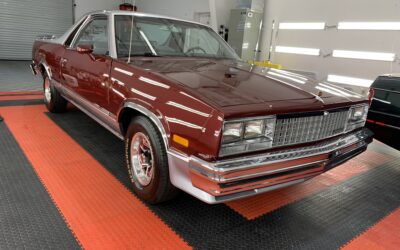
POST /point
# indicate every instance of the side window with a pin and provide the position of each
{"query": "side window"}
(71, 37)
(95, 33)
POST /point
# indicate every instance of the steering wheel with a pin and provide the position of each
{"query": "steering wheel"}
(196, 48)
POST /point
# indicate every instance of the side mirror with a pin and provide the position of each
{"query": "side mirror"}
(85, 48)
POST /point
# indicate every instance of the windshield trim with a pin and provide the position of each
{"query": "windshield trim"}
(113, 49)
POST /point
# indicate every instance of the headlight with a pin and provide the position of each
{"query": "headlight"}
(247, 135)
(253, 129)
(232, 132)
(357, 117)
(358, 113)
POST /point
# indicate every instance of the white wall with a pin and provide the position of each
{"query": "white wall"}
(84, 6)
(223, 8)
(183, 9)
(333, 12)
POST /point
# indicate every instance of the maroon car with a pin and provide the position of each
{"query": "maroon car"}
(193, 115)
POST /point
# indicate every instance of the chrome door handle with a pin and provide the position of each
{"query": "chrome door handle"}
(63, 61)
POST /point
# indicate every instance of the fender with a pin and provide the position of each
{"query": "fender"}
(153, 117)
(46, 68)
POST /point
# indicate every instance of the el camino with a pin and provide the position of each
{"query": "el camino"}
(193, 116)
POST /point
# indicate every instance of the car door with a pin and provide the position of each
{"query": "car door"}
(86, 73)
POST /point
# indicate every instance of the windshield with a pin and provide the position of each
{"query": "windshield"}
(164, 37)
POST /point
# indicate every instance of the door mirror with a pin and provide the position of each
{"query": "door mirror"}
(85, 48)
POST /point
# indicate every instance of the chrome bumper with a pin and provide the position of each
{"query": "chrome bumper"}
(221, 181)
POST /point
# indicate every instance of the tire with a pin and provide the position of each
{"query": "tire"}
(157, 188)
(53, 100)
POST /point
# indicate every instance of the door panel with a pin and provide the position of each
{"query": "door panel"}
(87, 74)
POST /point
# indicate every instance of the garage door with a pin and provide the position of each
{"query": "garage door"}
(22, 20)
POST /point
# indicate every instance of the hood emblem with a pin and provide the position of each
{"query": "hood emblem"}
(326, 113)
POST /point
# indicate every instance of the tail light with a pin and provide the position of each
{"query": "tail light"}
(371, 95)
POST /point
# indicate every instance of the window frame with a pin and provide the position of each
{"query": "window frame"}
(113, 48)
(85, 24)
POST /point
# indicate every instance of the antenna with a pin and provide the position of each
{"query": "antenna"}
(130, 42)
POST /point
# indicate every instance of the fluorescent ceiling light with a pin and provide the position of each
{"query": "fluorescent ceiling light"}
(389, 57)
(350, 80)
(302, 26)
(295, 50)
(369, 26)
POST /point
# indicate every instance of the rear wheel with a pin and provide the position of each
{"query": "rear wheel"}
(147, 162)
(53, 100)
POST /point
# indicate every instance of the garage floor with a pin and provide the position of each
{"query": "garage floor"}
(63, 185)
(16, 76)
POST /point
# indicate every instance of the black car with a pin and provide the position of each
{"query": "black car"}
(384, 114)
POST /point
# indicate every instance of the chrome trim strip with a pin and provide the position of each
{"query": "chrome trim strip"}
(81, 103)
(145, 95)
(152, 82)
(221, 179)
(383, 124)
(117, 81)
(156, 120)
(33, 69)
(72, 44)
(387, 90)
(227, 166)
(383, 113)
(391, 126)
(48, 69)
(128, 73)
(180, 178)
(183, 107)
(184, 123)
(139, 14)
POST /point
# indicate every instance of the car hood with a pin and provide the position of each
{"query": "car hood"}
(228, 83)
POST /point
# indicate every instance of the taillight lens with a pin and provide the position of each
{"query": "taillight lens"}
(371, 96)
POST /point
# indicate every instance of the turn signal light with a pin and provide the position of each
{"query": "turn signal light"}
(180, 140)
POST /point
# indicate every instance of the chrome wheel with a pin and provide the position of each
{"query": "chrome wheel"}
(142, 159)
(47, 90)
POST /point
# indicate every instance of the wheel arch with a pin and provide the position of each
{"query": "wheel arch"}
(131, 109)
(44, 68)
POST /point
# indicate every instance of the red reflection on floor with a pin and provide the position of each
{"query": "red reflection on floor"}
(384, 235)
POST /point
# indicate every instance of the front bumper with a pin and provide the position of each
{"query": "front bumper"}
(221, 181)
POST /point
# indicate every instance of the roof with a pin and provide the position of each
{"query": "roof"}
(141, 14)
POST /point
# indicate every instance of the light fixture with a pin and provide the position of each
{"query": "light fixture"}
(350, 80)
(389, 57)
(369, 25)
(296, 50)
(302, 26)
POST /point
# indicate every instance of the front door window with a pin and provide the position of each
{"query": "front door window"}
(95, 33)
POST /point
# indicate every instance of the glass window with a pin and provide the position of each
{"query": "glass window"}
(148, 36)
(72, 35)
(95, 33)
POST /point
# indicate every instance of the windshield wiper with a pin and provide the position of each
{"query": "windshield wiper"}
(146, 54)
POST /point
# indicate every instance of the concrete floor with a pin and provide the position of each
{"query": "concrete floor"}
(17, 76)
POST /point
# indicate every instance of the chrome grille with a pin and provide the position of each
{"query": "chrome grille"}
(295, 130)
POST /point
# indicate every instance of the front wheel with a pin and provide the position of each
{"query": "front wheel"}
(147, 162)
(53, 100)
